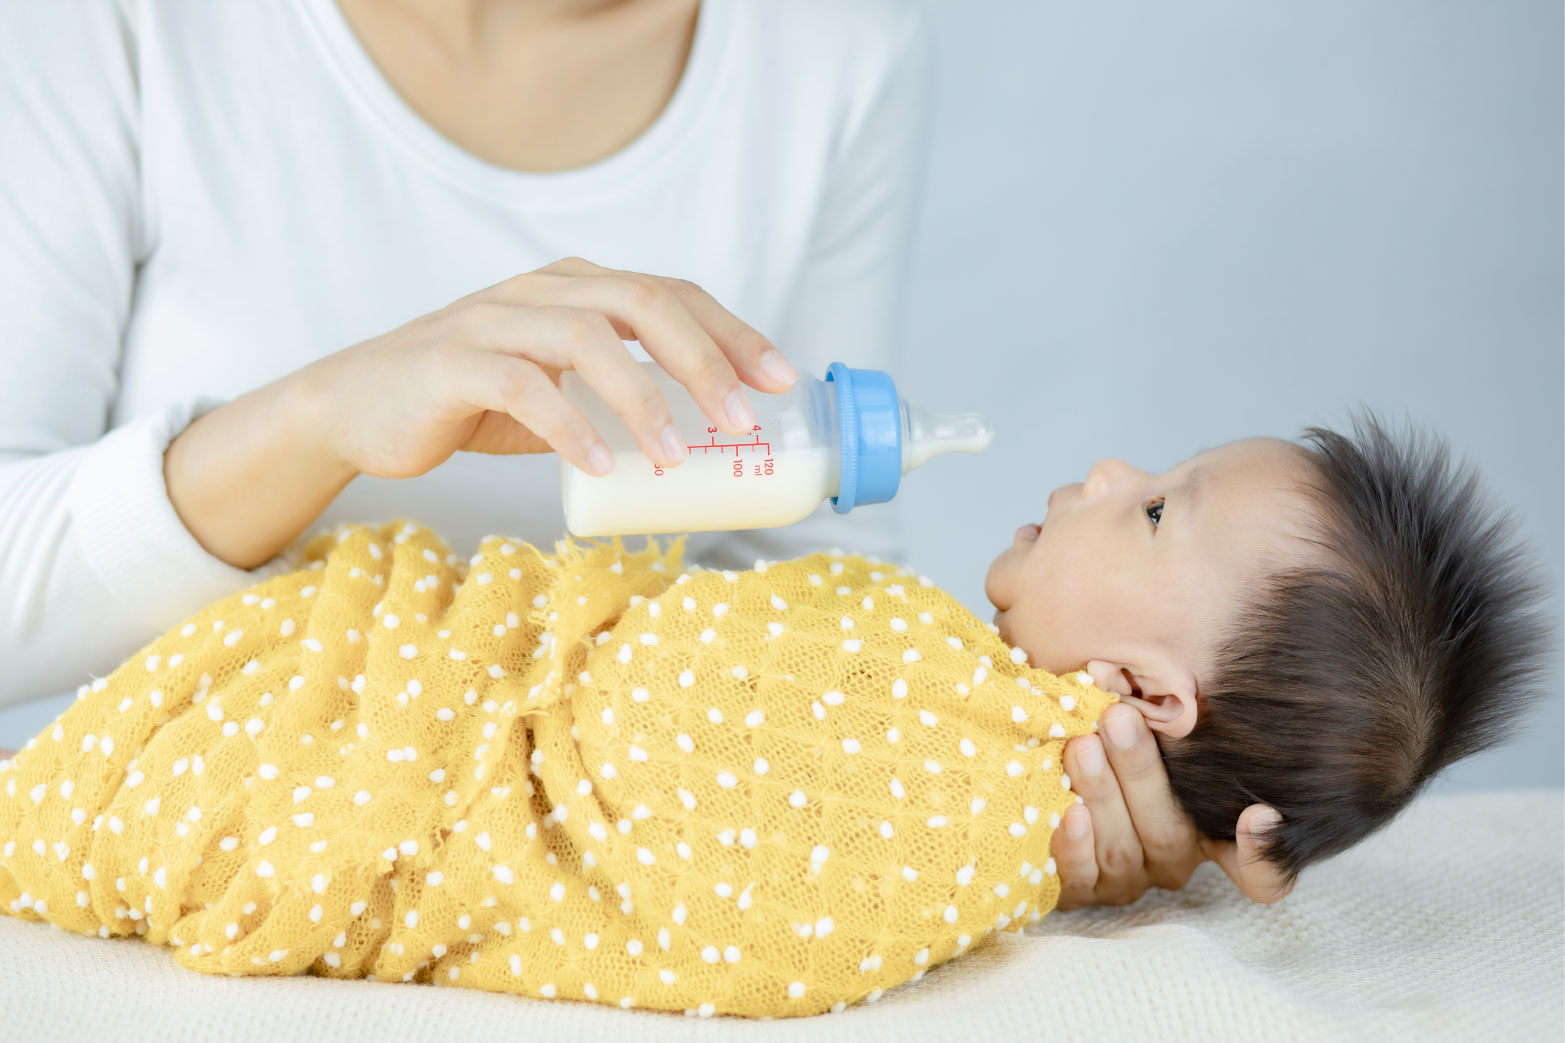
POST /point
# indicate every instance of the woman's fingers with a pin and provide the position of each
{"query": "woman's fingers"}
(630, 392)
(1121, 874)
(600, 358)
(1166, 836)
(520, 388)
(1136, 834)
(557, 338)
(757, 362)
(519, 286)
(685, 330)
(482, 373)
(1259, 880)
(1075, 859)
(649, 310)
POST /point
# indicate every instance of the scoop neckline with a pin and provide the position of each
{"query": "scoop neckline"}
(617, 171)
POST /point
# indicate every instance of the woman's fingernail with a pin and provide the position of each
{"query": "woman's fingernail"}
(1090, 758)
(673, 448)
(777, 367)
(739, 412)
(1075, 823)
(1121, 729)
(600, 460)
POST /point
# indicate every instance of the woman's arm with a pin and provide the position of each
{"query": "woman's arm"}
(250, 476)
(95, 559)
(108, 537)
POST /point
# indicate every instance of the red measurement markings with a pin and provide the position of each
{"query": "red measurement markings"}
(753, 444)
(761, 468)
(756, 443)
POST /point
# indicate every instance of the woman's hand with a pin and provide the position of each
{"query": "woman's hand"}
(1132, 833)
(481, 374)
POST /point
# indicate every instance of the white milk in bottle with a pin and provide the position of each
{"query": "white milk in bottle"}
(848, 437)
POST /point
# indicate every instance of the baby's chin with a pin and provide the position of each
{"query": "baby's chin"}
(1041, 658)
(1002, 623)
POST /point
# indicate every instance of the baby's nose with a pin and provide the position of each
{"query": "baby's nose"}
(1104, 476)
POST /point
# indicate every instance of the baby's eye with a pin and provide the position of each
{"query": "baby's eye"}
(1155, 511)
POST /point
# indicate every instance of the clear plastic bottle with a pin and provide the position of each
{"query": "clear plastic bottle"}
(849, 437)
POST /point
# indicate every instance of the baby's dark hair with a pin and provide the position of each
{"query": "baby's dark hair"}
(1413, 640)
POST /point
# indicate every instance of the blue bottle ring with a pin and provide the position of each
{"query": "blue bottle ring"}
(869, 426)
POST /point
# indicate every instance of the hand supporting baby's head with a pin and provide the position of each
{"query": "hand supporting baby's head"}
(1320, 628)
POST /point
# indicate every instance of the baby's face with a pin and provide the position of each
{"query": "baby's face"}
(1142, 571)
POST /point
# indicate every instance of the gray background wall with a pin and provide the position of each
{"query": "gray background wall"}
(1150, 228)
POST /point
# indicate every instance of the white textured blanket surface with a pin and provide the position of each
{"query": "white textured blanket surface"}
(1450, 924)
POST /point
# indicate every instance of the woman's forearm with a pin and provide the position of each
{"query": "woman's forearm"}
(251, 475)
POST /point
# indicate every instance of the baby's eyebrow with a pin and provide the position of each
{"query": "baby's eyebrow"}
(1193, 493)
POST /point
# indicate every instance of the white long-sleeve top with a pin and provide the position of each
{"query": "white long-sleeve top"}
(198, 198)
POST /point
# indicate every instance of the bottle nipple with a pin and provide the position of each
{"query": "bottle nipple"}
(929, 434)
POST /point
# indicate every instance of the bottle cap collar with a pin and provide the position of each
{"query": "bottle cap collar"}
(869, 424)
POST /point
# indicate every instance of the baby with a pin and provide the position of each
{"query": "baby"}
(599, 775)
(1318, 628)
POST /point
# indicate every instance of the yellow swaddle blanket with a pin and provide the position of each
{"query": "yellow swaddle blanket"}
(586, 774)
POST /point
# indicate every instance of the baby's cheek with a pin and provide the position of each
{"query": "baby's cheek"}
(997, 580)
(1056, 641)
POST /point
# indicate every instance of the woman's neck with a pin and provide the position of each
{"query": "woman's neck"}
(478, 21)
(535, 85)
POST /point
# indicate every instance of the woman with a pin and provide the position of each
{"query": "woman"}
(211, 215)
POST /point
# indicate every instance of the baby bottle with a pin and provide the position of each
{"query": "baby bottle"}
(849, 437)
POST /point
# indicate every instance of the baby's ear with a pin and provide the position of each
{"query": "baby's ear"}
(1169, 708)
(1110, 677)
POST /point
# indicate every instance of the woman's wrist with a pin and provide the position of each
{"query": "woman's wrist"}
(251, 475)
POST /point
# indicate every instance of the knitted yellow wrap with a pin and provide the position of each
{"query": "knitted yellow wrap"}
(586, 775)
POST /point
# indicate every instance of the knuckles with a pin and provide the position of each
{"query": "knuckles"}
(684, 288)
(712, 368)
(641, 294)
(1120, 861)
(749, 344)
(1167, 849)
(583, 330)
(478, 314)
(1140, 763)
(646, 400)
(516, 382)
